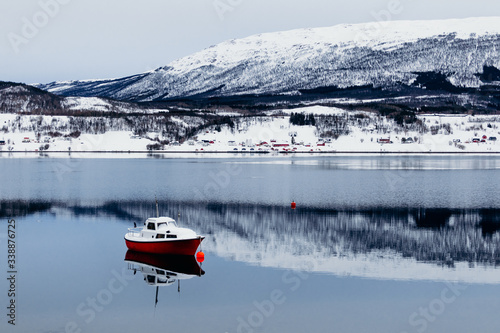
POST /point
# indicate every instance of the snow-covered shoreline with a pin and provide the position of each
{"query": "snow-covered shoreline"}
(338, 132)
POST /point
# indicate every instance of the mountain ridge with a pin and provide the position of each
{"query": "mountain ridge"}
(391, 57)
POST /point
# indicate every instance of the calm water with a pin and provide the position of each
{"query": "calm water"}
(376, 244)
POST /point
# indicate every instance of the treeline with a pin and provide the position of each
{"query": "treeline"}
(302, 119)
(168, 127)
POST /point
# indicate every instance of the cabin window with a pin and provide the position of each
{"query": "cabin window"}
(151, 226)
(160, 236)
(162, 280)
(151, 279)
(171, 236)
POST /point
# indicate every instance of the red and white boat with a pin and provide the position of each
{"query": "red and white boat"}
(161, 235)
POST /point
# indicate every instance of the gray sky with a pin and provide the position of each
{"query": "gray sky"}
(48, 40)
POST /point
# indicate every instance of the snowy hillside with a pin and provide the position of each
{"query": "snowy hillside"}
(314, 129)
(21, 98)
(445, 55)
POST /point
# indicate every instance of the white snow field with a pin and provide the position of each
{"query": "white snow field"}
(274, 133)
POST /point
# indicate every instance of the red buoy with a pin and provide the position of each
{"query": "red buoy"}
(294, 205)
(200, 256)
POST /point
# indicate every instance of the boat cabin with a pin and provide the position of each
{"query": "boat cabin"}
(159, 227)
(157, 223)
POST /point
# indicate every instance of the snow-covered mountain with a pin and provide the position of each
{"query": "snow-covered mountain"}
(406, 57)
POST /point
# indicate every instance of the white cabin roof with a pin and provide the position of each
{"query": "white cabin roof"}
(161, 219)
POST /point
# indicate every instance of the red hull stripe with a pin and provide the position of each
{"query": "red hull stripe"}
(182, 247)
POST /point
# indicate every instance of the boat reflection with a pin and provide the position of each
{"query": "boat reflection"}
(163, 270)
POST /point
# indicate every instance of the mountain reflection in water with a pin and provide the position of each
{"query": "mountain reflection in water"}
(397, 243)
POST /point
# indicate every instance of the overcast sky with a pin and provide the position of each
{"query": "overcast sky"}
(48, 40)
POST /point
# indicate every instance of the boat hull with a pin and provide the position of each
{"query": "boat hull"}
(178, 246)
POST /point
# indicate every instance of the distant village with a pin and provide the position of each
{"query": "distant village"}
(317, 129)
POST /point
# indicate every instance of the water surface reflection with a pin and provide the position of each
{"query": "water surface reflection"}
(401, 243)
(163, 270)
